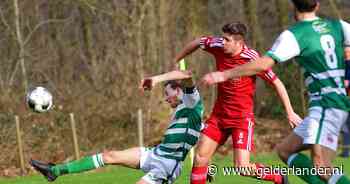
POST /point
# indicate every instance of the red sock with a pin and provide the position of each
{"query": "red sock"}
(268, 176)
(199, 175)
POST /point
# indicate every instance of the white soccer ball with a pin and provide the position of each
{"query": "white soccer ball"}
(39, 100)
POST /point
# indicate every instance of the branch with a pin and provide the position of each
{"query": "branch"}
(4, 20)
(41, 24)
(94, 8)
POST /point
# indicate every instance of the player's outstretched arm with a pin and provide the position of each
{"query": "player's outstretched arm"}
(150, 82)
(293, 118)
(251, 68)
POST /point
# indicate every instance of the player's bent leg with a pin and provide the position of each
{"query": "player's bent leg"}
(289, 145)
(205, 149)
(288, 150)
(128, 158)
(322, 158)
(242, 161)
(51, 171)
(243, 144)
(303, 136)
(325, 141)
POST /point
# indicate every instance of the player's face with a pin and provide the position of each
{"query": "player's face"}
(231, 46)
(172, 96)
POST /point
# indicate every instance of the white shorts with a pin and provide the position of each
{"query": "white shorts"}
(158, 169)
(322, 126)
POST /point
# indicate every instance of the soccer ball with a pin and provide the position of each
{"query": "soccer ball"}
(39, 99)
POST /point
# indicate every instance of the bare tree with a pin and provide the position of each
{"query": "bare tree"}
(282, 11)
(250, 7)
(335, 9)
(21, 44)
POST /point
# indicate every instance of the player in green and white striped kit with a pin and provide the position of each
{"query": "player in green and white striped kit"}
(162, 163)
(318, 46)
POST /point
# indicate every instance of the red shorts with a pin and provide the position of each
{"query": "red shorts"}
(242, 137)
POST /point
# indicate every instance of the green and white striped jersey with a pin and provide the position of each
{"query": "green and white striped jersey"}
(318, 47)
(184, 129)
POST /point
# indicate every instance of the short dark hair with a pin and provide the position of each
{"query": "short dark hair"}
(305, 5)
(235, 28)
(173, 84)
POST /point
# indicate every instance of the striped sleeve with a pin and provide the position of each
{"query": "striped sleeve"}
(346, 32)
(285, 47)
(268, 76)
(251, 54)
(211, 44)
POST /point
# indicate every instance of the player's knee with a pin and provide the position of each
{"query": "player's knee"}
(318, 160)
(201, 160)
(110, 157)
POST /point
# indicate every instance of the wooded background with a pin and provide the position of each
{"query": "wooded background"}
(91, 54)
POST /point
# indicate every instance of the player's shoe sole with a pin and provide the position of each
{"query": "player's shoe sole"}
(44, 169)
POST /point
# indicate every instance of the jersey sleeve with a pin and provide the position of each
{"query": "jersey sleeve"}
(268, 76)
(211, 44)
(346, 31)
(191, 97)
(285, 47)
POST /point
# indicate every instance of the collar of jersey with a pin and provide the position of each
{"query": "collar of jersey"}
(180, 107)
(310, 19)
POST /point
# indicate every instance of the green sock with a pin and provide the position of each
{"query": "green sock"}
(299, 160)
(78, 166)
(339, 179)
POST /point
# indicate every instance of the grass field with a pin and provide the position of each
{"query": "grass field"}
(120, 175)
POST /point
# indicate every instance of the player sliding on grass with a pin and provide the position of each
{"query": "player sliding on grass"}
(233, 111)
(318, 45)
(162, 163)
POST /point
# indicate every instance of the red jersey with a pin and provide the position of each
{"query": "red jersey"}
(235, 97)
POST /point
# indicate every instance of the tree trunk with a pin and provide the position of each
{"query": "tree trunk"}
(250, 9)
(20, 44)
(282, 11)
(86, 26)
(335, 10)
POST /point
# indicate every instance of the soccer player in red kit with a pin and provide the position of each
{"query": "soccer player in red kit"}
(233, 111)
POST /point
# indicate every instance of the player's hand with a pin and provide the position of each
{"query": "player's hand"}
(213, 78)
(294, 119)
(147, 84)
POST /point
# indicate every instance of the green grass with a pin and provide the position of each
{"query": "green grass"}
(120, 175)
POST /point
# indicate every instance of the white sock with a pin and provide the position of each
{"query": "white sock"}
(334, 178)
(98, 160)
(291, 158)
